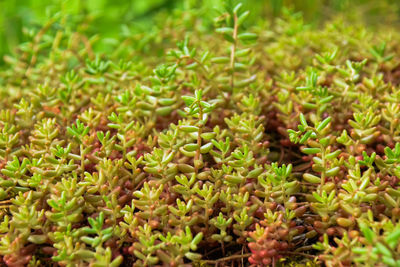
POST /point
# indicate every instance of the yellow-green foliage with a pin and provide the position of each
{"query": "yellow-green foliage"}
(274, 143)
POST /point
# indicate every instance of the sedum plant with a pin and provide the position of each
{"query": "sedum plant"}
(250, 144)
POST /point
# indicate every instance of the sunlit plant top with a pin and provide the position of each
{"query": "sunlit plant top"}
(245, 146)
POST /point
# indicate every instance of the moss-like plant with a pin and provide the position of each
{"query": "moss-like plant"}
(271, 144)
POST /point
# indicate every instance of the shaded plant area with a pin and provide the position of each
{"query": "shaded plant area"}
(266, 144)
(111, 21)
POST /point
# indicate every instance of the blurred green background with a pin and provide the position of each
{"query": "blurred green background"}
(109, 18)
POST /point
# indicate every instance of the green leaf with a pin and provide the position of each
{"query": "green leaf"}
(383, 250)
(220, 60)
(243, 17)
(188, 100)
(164, 111)
(247, 36)
(245, 82)
(311, 150)
(189, 128)
(303, 120)
(87, 240)
(196, 240)
(206, 148)
(333, 155)
(305, 137)
(227, 30)
(323, 124)
(333, 171)
(237, 8)
(367, 232)
(317, 197)
(191, 147)
(242, 52)
(311, 178)
(193, 256)
(393, 238)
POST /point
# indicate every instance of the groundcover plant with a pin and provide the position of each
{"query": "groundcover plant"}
(247, 145)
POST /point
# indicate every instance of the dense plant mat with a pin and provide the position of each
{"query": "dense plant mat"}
(275, 144)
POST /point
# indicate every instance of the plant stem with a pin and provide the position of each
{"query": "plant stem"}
(82, 158)
(233, 50)
(233, 257)
(197, 156)
(323, 175)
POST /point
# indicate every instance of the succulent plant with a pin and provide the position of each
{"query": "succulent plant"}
(253, 144)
